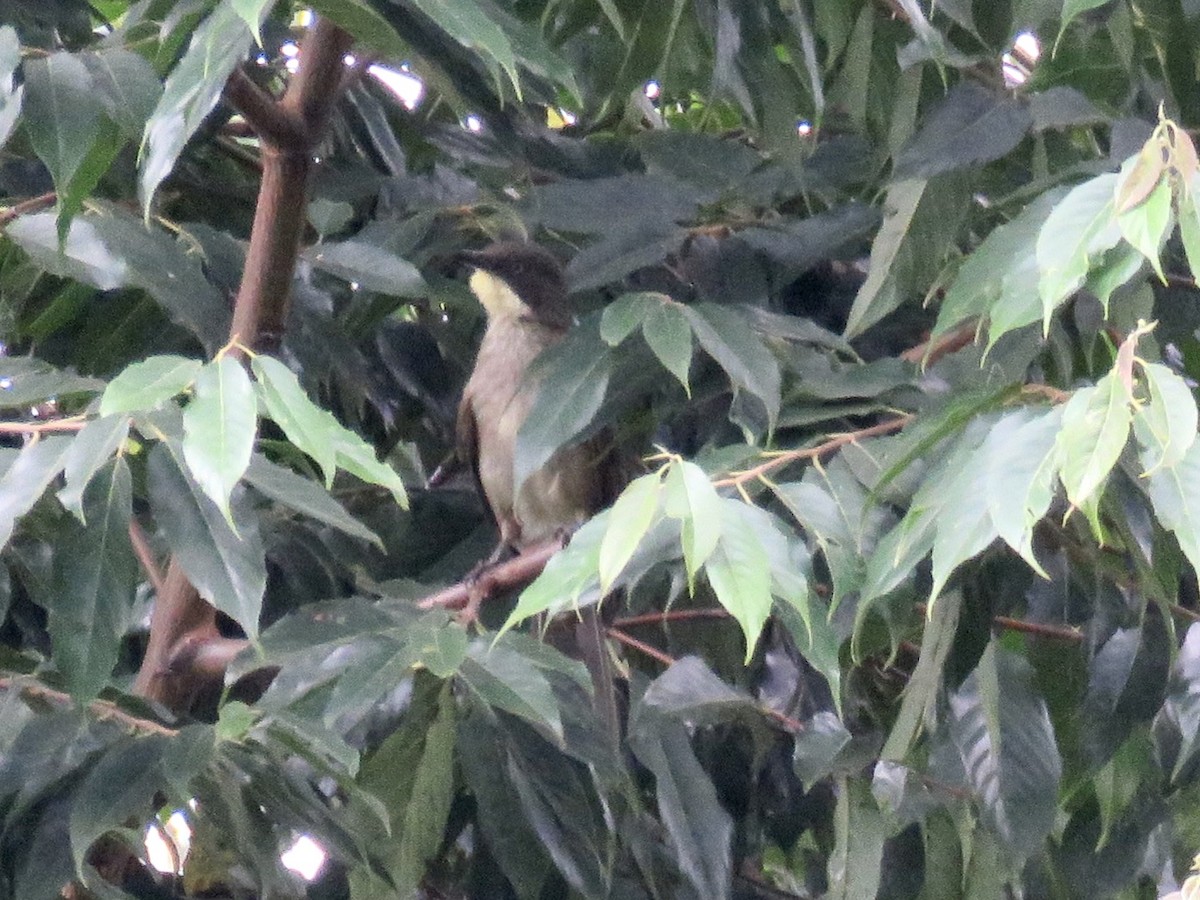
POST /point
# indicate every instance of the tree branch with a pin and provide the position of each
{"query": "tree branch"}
(515, 572)
(101, 709)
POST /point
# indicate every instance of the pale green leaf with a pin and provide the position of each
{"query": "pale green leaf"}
(566, 576)
(313, 430)
(633, 514)
(27, 478)
(10, 96)
(1095, 427)
(690, 497)
(669, 335)
(1022, 470)
(1166, 424)
(252, 12)
(740, 574)
(219, 427)
(1079, 228)
(1189, 227)
(357, 457)
(1175, 494)
(149, 383)
(193, 88)
(91, 449)
(1146, 225)
(470, 26)
(61, 114)
(623, 316)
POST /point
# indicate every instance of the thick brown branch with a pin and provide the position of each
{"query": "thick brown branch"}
(311, 94)
(101, 709)
(263, 113)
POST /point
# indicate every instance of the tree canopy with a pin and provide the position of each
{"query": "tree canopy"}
(895, 300)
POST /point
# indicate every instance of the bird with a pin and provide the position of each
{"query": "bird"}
(523, 290)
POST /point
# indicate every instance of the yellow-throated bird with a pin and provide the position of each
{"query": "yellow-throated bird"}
(523, 290)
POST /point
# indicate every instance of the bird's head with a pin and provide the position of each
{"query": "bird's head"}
(519, 280)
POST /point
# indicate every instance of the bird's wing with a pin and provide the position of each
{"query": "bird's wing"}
(466, 434)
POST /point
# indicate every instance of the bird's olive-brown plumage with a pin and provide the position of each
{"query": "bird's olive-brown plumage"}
(522, 288)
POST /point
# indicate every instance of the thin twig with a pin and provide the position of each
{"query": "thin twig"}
(101, 709)
(788, 457)
(1058, 632)
(145, 555)
(26, 206)
(641, 646)
(671, 615)
(74, 423)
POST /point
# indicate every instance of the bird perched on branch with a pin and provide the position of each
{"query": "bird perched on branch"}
(524, 293)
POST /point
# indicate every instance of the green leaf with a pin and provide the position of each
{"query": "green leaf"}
(573, 378)
(693, 693)
(357, 457)
(739, 572)
(119, 787)
(1001, 728)
(1166, 425)
(506, 679)
(921, 219)
(1022, 470)
(366, 24)
(313, 430)
(1189, 227)
(919, 704)
(1095, 427)
(25, 381)
(1079, 228)
(252, 12)
(91, 449)
(1001, 276)
(699, 829)
(61, 114)
(107, 248)
(148, 384)
(1072, 9)
(1145, 226)
(971, 125)
(467, 24)
(95, 577)
(623, 316)
(372, 268)
(192, 89)
(27, 479)
(632, 515)
(227, 567)
(859, 827)
(727, 337)
(1175, 495)
(690, 497)
(10, 96)
(219, 427)
(127, 85)
(566, 576)
(669, 335)
(306, 497)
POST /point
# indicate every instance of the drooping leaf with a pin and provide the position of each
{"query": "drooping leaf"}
(227, 567)
(1175, 494)
(854, 864)
(699, 828)
(91, 449)
(27, 479)
(371, 267)
(625, 315)
(1145, 225)
(306, 497)
(95, 576)
(1095, 427)
(1166, 425)
(219, 426)
(192, 89)
(148, 383)
(739, 571)
(728, 338)
(10, 97)
(1001, 727)
(471, 27)
(690, 497)
(505, 679)
(312, 429)
(669, 335)
(127, 85)
(1079, 228)
(108, 248)
(632, 515)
